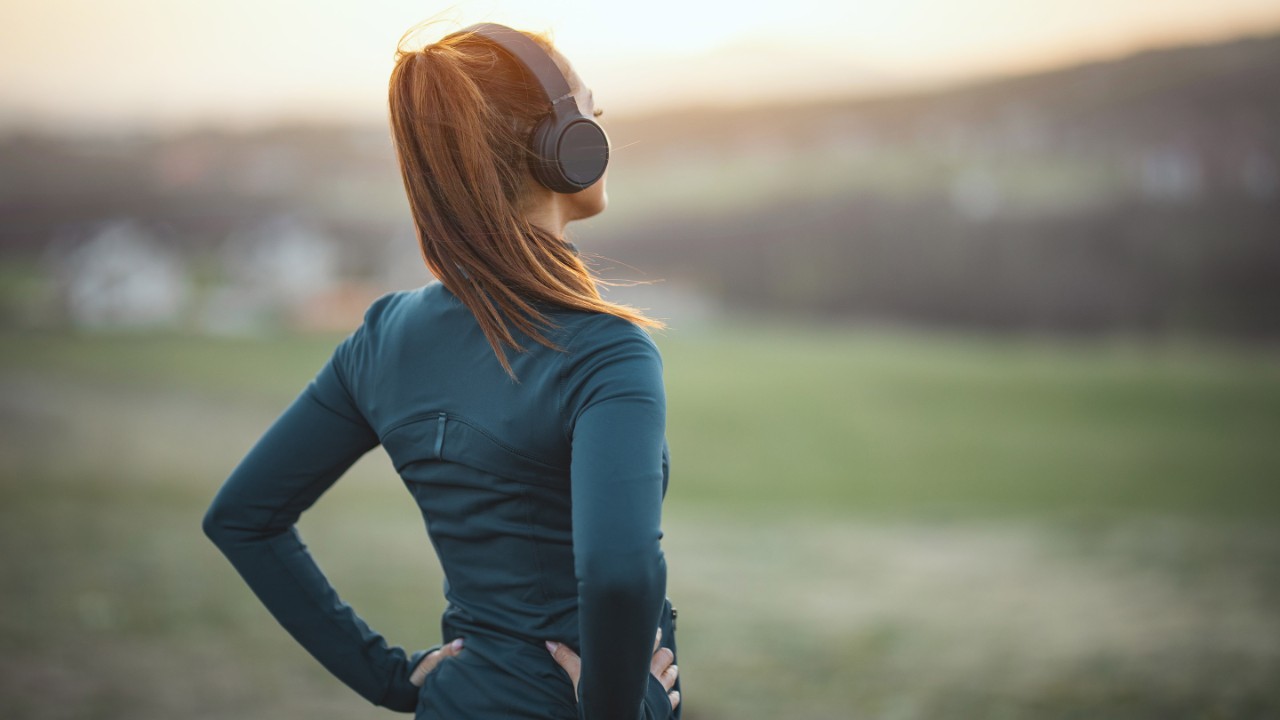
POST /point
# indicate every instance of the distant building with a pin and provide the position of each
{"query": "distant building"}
(122, 277)
(1170, 173)
(272, 271)
(282, 258)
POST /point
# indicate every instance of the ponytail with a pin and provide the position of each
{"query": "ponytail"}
(461, 116)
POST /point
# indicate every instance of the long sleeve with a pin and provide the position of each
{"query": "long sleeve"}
(617, 411)
(251, 520)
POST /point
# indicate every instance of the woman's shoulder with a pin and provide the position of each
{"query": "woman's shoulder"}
(588, 331)
(609, 358)
(607, 350)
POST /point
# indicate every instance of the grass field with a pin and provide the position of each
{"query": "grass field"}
(860, 524)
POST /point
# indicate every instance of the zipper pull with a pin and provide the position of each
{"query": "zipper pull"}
(439, 434)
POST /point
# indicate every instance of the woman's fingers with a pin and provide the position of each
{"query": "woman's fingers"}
(433, 659)
(568, 660)
(664, 668)
(668, 676)
(662, 665)
(662, 660)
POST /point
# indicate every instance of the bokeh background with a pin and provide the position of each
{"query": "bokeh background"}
(973, 368)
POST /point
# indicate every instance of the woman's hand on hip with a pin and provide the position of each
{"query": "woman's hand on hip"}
(433, 659)
(662, 666)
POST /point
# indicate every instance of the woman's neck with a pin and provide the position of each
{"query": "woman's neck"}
(548, 215)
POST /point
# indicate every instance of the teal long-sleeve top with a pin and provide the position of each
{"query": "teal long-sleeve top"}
(542, 499)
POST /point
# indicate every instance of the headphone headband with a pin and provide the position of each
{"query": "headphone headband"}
(530, 54)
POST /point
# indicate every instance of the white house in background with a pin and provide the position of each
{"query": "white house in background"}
(281, 259)
(123, 277)
(1170, 173)
(272, 270)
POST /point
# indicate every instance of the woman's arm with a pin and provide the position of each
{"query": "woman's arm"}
(252, 520)
(617, 411)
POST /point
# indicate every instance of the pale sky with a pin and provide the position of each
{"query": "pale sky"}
(173, 63)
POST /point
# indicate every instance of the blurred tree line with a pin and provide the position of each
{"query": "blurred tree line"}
(1133, 195)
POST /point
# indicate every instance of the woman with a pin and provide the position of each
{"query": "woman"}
(524, 413)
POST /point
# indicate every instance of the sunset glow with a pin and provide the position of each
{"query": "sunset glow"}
(158, 63)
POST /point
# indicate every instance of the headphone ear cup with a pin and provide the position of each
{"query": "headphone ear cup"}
(583, 152)
(571, 153)
(546, 164)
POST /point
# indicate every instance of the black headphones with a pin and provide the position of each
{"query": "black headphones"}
(572, 150)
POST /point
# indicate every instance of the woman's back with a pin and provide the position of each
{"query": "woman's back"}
(489, 462)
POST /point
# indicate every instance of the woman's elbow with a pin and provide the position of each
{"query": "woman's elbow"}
(225, 523)
(215, 523)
